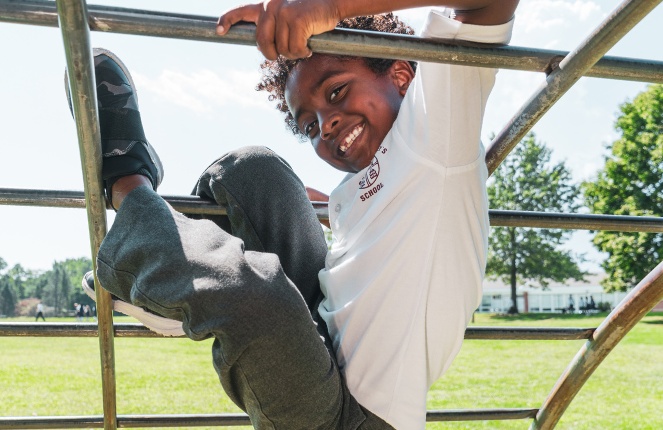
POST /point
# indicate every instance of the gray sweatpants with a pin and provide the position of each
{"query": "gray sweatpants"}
(249, 280)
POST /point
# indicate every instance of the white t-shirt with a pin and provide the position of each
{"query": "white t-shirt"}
(404, 273)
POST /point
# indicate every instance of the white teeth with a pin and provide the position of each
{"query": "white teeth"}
(350, 138)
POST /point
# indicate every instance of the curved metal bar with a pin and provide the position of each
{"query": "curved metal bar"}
(355, 42)
(72, 16)
(561, 79)
(498, 218)
(621, 320)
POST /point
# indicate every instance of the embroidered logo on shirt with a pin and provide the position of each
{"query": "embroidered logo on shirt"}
(369, 180)
(371, 174)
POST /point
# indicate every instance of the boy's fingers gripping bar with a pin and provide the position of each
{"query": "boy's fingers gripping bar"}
(266, 35)
(248, 13)
(298, 43)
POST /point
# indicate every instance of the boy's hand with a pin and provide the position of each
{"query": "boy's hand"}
(284, 26)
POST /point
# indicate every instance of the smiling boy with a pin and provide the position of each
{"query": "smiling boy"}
(395, 292)
(348, 136)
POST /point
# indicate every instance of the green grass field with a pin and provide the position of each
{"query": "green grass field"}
(61, 376)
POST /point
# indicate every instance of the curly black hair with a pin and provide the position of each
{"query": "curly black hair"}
(276, 72)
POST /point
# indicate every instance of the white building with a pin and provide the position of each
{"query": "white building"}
(556, 298)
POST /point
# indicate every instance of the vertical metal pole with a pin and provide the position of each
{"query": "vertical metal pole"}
(73, 20)
(572, 68)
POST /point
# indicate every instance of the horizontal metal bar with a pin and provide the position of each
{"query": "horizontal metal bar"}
(124, 421)
(353, 42)
(626, 223)
(76, 199)
(528, 333)
(64, 422)
(51, 329)
(498, 218)
(134, 421)
(481, 414)
(186, 420)
(29, 329)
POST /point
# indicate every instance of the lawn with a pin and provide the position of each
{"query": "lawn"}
(61, 376)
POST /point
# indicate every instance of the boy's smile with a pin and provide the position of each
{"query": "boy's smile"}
(345, 108)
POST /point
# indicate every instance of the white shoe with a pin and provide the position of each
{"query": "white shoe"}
(154, 322)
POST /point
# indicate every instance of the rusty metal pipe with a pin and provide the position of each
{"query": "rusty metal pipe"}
(612, 330)
(135, 330)
(354, 42)
(498, 218)
(72, 16)
(560, 80)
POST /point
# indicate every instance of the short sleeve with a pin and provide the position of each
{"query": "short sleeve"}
(441, 115)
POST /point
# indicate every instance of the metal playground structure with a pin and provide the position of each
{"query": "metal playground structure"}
(563, 69)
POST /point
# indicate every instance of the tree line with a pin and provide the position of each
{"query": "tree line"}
(57, 289)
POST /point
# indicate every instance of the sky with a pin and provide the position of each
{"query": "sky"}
(197, 101)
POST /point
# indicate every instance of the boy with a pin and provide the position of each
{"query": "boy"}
(394, 294)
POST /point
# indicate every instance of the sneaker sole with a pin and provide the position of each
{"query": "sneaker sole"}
(156, 323)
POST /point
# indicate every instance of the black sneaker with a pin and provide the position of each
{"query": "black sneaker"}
(125, 150)
(154, 322)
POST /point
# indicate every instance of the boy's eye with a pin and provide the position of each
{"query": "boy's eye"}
(309, 127)
(335, 93)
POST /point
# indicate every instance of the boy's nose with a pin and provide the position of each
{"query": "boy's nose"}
(328, 128)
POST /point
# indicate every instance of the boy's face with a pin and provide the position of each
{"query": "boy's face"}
(345, 108)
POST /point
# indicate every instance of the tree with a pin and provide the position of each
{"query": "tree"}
(527, 181)
(75, 268)
(58, 288)
(18, 276)
(57, 285)
(7, 294)
(7, 299)
(631, 183)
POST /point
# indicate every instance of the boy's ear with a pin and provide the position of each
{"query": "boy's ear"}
(402, 73)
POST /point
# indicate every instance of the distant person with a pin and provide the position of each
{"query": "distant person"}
(572, 304)
(40, 312)
(78, 311)
(86, 312)
(592, 304)
(582, 306)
